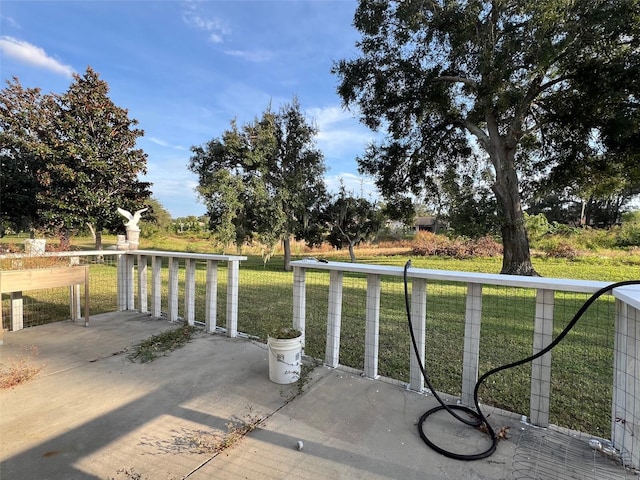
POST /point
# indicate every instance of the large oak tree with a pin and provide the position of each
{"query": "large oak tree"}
(527, 83)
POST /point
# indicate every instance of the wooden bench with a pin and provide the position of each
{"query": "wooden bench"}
(15, 282)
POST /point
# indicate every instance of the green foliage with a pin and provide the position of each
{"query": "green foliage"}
(77, 152)
(561, 207)
(629, 233)
(632, 217)
(401, 208)
(472, 211)
(529, 85)
(537, 226)
(563, 229)
(23, 118)
(189, 225)
(263, 181)
(155, 220)
(353, 221)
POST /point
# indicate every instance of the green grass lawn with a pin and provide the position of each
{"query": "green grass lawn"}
(582, 365)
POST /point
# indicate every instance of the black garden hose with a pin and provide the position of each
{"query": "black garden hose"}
(475, 418)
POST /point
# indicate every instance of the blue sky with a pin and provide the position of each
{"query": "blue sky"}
(185, 69)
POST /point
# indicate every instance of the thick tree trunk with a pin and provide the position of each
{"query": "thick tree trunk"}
(286, 244)
(98, 239)
(516, 258)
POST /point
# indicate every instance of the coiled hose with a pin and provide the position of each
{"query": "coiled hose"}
(475, 418)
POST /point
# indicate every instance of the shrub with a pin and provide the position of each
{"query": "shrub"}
(427, 243)
(562, 250)
(486, 247)
(596, 238)
(628, 234)
(537, 225)
(563, 229)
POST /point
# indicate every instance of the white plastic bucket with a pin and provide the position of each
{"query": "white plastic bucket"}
(285, 359)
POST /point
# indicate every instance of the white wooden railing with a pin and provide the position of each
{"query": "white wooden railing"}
(132, 290)
(625, 422)
(139, 260)
(16, 301)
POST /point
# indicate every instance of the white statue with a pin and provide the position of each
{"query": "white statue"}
(133, 219)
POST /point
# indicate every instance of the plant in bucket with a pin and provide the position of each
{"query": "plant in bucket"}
(285, 354)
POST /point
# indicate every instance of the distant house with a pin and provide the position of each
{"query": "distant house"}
(420, 224)
(425, 224)
(395, 226)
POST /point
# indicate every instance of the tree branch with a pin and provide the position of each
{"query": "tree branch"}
(553, 82)
(476, 131)
(455, 79)
(524, 106)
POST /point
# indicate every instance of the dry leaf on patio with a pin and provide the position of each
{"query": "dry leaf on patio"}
(502, 433)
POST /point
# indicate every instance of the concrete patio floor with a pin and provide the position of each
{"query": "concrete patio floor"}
(91, 413)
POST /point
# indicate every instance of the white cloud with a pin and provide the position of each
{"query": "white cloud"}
(251, 55)
(215, 27)
(28, 53)
(339, 132)
(329, 115)
(162, 143)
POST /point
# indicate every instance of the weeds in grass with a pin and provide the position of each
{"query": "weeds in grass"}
(21, 369)
(162, 344)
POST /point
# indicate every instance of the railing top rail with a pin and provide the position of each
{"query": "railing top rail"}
(196, 256)
(74, 253)
(629, 294)
(563, 284)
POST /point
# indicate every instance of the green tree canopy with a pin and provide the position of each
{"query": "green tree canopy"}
(23, 121)
(77, 152)
(156, 219)
(264, 180)
(94, 165)
(353, 221)
(511, 78)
